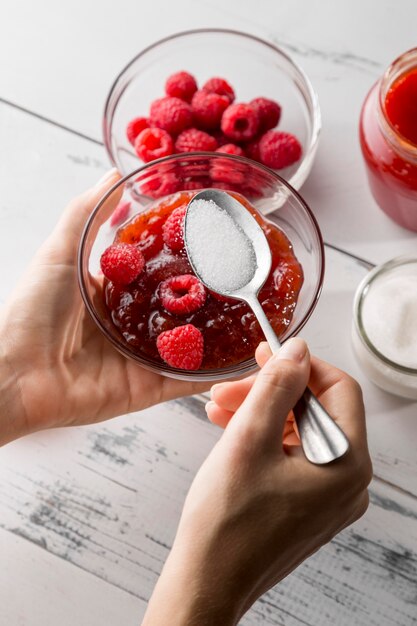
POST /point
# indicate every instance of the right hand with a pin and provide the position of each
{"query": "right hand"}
(257, 508)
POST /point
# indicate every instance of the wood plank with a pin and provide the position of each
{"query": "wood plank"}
(107, 499)
(37, 588)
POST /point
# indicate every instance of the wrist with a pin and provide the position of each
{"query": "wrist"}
(11, 408)
(188, 594)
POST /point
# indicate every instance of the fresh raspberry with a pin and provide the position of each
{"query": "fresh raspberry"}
(269, 113)
(219, 86)
(193, 140)
(181, 85)
(171, 114)
(231, 148)
(182, 294)
(278, 149)
(153, 143)
(252, 150)
(122, 263)
(220, 137)
(136, 126)
(240, 122)
(208, 109)
(173, 229)
(182, 347)
(120, 213)
(160, 185)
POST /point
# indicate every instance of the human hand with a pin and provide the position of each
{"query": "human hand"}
(56, 367)
(257, 508)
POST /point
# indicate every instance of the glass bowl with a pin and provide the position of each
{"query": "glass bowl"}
(254, 68)
(260, 185)
(373, 348)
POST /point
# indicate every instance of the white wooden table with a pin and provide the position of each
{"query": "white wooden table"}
(87, 516)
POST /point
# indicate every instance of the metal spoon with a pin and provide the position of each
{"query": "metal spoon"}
(321, 438)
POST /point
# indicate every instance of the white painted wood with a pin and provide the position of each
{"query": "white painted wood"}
(103, 502)
(38, 589)
(107, 499)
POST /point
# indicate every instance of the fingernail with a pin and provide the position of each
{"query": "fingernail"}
(209, 404)
(215, 387)
(294, 349)
(106, 177)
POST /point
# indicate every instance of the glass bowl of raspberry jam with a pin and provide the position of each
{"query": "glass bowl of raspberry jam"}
(253, 67)
(388, 137)
(145, 210)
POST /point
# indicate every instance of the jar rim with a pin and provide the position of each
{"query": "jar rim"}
(399, 66)
(360, 296)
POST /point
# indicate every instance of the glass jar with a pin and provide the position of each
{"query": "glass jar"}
(390, 157)
(384, 329)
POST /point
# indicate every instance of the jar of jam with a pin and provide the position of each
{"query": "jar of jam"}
(388, 137)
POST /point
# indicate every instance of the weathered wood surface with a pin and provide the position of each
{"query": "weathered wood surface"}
(87, 515)
(107, 499)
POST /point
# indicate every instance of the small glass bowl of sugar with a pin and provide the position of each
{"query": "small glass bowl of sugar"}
(384, 331)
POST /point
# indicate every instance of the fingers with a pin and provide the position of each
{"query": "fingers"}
(277, 388)
(338, 392)
(341, 395)
(230, 395)
(62, 245)
(217, 415)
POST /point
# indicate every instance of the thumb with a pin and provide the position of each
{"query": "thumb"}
(277, 388)
(62, 245)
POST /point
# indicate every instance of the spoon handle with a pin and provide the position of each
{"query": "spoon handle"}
(321, 438)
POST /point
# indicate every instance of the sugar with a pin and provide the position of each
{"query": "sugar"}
(390, 315)
(221, 252)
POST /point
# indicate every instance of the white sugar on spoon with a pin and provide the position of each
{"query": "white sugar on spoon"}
(221, 252)
(230, 254)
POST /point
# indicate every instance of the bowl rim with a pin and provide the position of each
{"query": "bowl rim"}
(300, 174)
(240, 369)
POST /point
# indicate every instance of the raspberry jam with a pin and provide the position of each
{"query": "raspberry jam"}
(388, 136)
(229, 328)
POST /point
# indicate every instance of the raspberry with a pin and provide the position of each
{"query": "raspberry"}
(240, 122)
(120, 213)
(181, 85)
(208, 109)
(160, 185)
(122, 263)
(231, 148)
(182, 294)
(182, 347)
(252, 150)
(269, 113)
(136, 126)
(172, 230)
(193, 140)
(153, 143)
(278, 149)
(171, 114)
(219, 86)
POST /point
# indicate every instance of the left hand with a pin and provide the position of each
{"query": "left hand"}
(56, 367)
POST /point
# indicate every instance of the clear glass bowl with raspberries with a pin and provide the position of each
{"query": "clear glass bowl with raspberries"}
(213, 90)
(138, 284)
